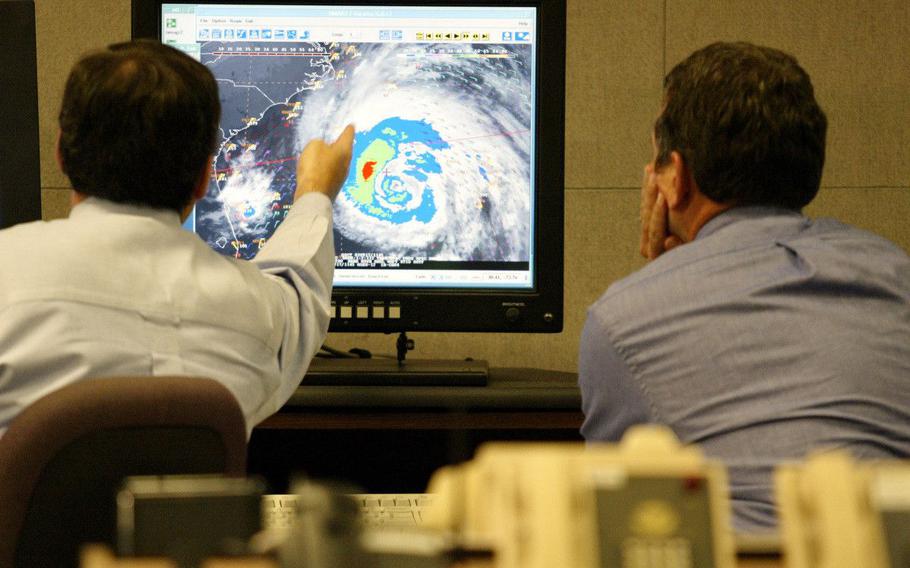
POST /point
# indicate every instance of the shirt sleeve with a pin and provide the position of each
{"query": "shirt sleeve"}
(300, 258)
(610, 398)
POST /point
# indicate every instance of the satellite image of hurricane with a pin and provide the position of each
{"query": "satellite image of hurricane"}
(441, 167)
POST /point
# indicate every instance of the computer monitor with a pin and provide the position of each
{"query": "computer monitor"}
(452, 216)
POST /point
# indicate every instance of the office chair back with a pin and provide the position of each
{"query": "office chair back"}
(63, 458)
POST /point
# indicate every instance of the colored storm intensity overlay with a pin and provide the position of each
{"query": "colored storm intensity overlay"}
(441, 167)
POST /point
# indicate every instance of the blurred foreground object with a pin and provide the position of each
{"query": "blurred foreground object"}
(187, 517)
(647, 502)
(837, 512)
(328, 530)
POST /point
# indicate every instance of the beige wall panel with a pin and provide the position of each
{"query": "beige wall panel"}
(65, 30)
(55, 203)
(601, 246)
(881, 210)
(858, 55)
(613, 85)
(602, 234)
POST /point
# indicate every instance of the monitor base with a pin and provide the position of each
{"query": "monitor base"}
(389, 372)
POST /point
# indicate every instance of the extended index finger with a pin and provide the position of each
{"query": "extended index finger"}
(646, 206)
(346, 138)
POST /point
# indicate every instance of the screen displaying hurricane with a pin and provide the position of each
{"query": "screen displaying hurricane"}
(440, 190)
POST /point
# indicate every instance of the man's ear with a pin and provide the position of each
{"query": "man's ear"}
(203, 184)
(678, 184)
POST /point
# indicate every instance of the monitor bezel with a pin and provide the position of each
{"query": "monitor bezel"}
(535, 310)
(20, 167)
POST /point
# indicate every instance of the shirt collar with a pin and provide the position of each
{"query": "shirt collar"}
(95, 207)
(744, 213)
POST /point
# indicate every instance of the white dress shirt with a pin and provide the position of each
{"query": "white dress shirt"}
(123, 290)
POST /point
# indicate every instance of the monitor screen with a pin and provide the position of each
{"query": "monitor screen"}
(454, 196)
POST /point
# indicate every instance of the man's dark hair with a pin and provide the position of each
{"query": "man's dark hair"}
(745, 120)
(138, 122)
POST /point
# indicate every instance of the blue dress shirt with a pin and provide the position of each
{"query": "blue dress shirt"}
(767, 336)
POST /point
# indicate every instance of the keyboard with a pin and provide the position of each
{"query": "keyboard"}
(385, 510)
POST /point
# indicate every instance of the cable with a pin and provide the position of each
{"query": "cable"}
(327, 352)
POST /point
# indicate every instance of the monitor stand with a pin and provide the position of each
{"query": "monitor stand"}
(396, 372)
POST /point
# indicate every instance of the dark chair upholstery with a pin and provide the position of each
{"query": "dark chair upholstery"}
(63, 458)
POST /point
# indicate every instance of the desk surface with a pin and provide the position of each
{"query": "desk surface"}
(404, 434)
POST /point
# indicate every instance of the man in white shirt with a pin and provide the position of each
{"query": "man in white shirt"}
(120, 288)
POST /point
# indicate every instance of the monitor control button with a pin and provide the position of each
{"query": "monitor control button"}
(345, 312)
(363, 312)
(379, 312)
(512, 314)
(394, 312)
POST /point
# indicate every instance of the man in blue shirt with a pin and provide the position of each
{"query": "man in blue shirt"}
(755, 332)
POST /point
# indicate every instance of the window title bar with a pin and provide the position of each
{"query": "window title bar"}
(396, 12)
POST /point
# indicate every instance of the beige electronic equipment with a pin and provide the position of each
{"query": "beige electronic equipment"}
(645, 503)
(836, 512)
